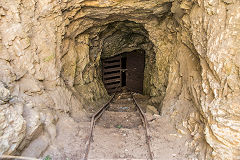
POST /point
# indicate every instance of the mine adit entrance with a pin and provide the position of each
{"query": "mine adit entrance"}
(124, 70)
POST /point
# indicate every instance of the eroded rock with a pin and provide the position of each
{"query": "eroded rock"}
(37, 146)
(13, 129)
(151, 109)
(4, 94)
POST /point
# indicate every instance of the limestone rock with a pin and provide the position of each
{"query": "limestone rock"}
(12, 129)
(34, 124)
(52, 131)
(4, 94)
(30, 86)
(151, 109)
(37, 147)
(61, 98)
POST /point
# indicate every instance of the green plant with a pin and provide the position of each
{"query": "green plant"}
(119, 126)
(47, 158)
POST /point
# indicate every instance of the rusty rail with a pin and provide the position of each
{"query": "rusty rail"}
(95, 117)
(98, 114)
(17, 157)
(145, 124)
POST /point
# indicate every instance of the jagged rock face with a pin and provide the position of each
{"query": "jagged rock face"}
(50, 61)
(105, 41)
(12, 124)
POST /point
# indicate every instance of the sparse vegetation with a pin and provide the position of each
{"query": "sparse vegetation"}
(47, 158)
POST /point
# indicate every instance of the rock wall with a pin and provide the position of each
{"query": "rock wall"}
(50, 66)
(212, 45)
(32, 92)
(219, 51)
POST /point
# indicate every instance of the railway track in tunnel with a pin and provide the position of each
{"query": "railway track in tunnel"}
(119, 117)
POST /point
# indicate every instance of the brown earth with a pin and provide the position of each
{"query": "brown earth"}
(119, 134)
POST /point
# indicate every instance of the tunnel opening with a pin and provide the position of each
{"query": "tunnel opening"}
(124, 70)
(112, 42)
(108, 41)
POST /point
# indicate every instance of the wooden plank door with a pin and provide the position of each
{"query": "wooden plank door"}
(111, 71)
(135, 71)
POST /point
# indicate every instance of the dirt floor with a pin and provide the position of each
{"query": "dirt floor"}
(119, 134)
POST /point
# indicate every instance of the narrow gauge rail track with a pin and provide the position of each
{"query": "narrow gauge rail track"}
(99, 113)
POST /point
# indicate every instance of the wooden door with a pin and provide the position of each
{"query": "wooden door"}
(135, 71)
(111, 73)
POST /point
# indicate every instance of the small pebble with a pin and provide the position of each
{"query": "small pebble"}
(121, 155)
